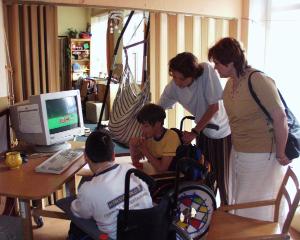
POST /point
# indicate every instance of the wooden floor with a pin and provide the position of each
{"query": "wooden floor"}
(53, 229)
(57, 229)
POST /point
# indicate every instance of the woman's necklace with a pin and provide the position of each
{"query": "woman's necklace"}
(236, 84)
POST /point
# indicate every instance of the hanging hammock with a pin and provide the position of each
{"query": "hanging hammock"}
(123, 124)
(130, 97)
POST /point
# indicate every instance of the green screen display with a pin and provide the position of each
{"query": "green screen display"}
(62, 114)
(66, 120)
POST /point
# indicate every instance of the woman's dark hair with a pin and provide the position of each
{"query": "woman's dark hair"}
(187, 64)
(151, 113)
(229, 50)
(99, 146)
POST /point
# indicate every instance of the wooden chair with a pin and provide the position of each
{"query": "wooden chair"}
(225, 225)
(5, 136)
(7, 205)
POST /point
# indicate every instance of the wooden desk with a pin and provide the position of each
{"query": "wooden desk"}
(147, 168)
(26, 184)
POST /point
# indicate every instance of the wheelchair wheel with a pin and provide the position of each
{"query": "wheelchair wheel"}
(195, 205)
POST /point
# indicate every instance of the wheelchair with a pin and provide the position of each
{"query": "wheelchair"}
(182, 208)
(183, 213)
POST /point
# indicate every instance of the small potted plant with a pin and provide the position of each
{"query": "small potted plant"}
(72, 33)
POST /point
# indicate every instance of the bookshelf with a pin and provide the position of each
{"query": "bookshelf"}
(80, 58)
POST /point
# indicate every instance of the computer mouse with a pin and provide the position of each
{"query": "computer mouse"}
(24, 157)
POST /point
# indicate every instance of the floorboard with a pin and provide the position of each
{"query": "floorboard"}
(53, 229)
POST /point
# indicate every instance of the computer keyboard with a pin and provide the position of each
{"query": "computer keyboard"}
(60, 161)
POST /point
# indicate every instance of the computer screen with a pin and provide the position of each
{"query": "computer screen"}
(62, 114)
(48, 120)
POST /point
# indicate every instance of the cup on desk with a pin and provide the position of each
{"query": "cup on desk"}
(13, 160)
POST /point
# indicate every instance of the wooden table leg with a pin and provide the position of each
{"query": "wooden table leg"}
(25, 213)
(70, 187)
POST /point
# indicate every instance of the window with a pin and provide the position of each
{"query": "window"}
(98, 45)
(133, 34)
(283, 50)
(274, 47)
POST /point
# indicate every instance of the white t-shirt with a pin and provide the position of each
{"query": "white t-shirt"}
(102, 197)
(204, 91)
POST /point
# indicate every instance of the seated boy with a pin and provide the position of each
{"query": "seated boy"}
(101, 197)
(157, 143)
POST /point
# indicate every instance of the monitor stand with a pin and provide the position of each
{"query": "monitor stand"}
(51, 148)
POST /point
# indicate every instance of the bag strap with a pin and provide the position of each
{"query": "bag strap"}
(255, 96)
(259, 102)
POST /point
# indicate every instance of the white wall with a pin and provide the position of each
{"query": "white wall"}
(223, 8)
(3, 74)
(72, 17)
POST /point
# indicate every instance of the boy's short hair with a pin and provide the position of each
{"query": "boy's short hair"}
(151, 113)
(99, 146)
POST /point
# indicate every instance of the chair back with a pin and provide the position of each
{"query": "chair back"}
(4, 125)
(11, 228)
(147, 224)
(292, 202)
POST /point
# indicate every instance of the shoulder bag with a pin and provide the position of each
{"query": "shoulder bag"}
(292, 149)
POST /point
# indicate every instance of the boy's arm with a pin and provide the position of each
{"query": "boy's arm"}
(160, 164)
(80, 207)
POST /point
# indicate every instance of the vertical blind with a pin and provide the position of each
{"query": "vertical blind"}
(174, 33)
(33, 47)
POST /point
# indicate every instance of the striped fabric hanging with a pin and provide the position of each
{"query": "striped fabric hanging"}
(130, 99)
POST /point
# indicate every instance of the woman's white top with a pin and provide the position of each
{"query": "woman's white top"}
(204, 91)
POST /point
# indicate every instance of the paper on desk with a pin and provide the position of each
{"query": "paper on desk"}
(29, 116)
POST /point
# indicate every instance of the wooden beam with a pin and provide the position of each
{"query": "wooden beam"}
(42, 49)
(15, 52)
(35, 60)
(26, 59)
(51, 39)
(172, 51)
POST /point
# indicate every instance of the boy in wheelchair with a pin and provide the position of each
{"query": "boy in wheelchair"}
(102, 197)
(157, 144)
(162, 147)
(186, 210)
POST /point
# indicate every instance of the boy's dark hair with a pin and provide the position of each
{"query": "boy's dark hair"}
(229, 50)
(99, 146)
(151, 113)
(187, 64)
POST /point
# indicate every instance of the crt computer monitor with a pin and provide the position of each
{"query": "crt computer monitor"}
(48, 120)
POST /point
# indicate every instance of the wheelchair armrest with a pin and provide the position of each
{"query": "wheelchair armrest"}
(226, 208)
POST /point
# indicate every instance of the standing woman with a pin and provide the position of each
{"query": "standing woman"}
(197, 88)
(258, 151)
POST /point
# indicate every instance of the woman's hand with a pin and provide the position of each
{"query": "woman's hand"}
(188, 137)
(283, 160)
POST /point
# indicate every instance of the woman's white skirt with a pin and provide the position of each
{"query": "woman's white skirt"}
(254, 177)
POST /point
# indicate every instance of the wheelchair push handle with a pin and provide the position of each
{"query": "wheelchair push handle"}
(149, 180)
(209, 125)
(182, 120)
